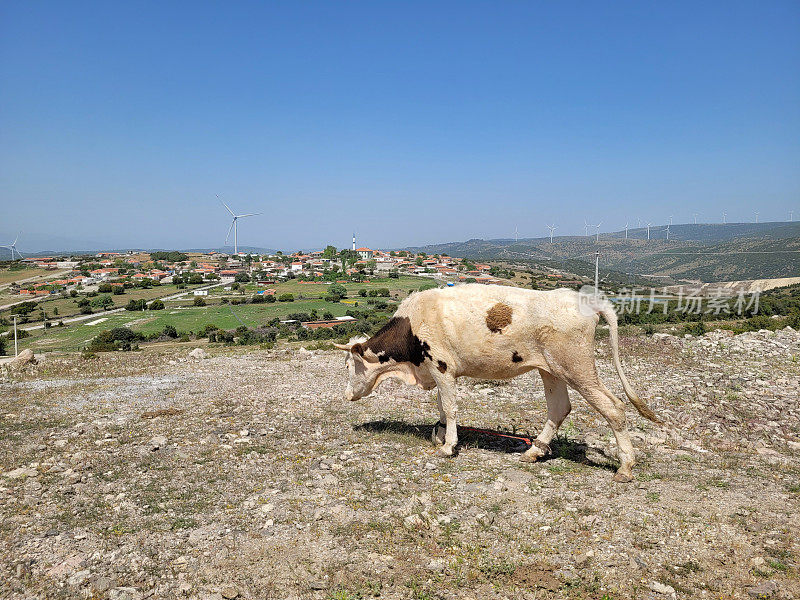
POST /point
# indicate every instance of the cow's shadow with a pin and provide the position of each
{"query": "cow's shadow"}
(492, 440)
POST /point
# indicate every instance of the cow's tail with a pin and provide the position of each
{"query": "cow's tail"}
(606, 309)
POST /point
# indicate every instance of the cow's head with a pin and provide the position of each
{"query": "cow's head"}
(366, 371)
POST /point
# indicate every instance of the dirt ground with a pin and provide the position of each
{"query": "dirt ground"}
(245, 474)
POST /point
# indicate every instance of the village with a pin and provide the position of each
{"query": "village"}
(119, 269)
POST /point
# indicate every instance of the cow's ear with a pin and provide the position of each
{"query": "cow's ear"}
(345, 347)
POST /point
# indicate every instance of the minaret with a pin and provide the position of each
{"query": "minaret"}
(354, 242)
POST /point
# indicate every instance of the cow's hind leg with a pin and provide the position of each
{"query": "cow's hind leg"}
(558, 407)
(437, 435)
(613, 410)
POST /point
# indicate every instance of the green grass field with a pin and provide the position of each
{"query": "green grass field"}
(75, 336)
(319, 290)
(182, 315)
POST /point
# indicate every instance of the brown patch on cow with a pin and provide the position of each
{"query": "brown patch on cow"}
(396, 341)
(499, 316)
(515, 357)
(442, 366)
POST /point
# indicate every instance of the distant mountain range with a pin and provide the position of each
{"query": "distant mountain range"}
(5, 255)
(702, 252)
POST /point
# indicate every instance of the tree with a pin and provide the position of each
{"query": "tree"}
(286, 298)
(329, 252)
(170, 331)
(198, 301)
(156, 305)
(242, 278)
(418, 262)
(26, 308)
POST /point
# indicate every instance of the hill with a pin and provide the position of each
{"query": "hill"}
(700, 252)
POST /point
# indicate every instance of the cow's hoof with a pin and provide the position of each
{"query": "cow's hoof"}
(529, 458)
(436, 438)
(445, 452)
(622, 478)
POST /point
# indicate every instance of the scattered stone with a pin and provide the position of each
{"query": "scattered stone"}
(229, 592)
(765, 589)
(157, 442)
(661, 588)
(24, 358)
(198, 354)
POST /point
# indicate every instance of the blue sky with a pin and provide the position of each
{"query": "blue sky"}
(410, 123)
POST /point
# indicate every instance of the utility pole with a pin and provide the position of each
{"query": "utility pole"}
(16, 349)
(596, 272)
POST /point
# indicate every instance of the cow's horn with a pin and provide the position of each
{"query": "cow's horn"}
(342, 347)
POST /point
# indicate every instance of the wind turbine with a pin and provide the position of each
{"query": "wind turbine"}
(516, 234)
(597, 239)
(648, 229)
(695, 218)
(235, 227)
(552, 228)
(586, 228)
(791, 216)
(13, 247)
(667, 232)
(724, 218)
(756, 216)
(626, 230)
(670, 219)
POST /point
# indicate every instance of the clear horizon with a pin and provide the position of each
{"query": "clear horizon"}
(430, 124)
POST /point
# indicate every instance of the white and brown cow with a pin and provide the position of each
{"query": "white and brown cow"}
(497, 332)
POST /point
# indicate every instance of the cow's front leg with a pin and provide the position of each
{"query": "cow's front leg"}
(558, 407)
(447, 398)
(437, 435)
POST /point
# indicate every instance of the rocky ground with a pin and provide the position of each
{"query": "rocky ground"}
(154, 475)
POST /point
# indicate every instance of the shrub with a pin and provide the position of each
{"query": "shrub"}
(198, 301)
(362, 293)
(286, 298)
(156, 305)
(170, 331)
(269, 298)
(760, 322)
(135, 305)
(104, 287)
(119, 338)
(695, 328)
(24, 309)
(118, 290)
(258, 299)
